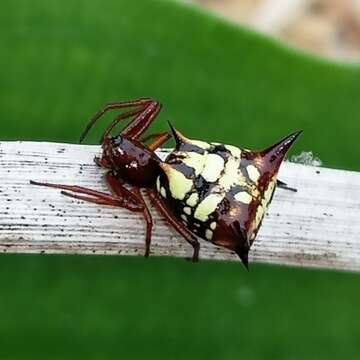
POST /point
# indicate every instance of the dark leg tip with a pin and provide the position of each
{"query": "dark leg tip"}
(283, 185)
(97, 161)
(191, 259)
(195, 257)
(32, 182)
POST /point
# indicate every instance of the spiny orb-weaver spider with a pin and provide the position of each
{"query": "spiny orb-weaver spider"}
(215, 191)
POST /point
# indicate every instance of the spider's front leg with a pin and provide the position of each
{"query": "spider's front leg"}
(143, 110)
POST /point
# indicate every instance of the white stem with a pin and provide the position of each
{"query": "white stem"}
(316, 227)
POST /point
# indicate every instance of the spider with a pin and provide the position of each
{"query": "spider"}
(214, 191)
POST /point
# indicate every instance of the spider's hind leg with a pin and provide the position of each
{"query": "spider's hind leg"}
(130, 199)
(283, 185)
(175, 223)
(123, 197)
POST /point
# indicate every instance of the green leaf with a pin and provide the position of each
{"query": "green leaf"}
(216, 80)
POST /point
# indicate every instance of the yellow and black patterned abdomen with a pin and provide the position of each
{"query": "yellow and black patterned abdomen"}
(220, 192)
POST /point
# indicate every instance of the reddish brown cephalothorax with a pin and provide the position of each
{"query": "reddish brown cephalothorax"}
(214, 191)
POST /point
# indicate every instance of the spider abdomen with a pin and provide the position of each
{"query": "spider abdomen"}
(215, 190)
(221, 192)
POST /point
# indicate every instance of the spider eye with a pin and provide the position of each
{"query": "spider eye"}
(116, 140)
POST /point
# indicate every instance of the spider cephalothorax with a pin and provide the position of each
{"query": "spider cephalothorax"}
(215, 191)
(132, 161)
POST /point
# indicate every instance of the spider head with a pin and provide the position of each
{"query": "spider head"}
(130, 160)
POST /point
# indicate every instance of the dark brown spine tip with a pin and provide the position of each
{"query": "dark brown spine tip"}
(276, 153)
(177, 136)
(244, 257)
(286, 143)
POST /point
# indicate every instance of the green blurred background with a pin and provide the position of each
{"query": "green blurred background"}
(60, 61)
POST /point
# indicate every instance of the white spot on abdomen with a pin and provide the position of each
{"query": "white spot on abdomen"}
(200, 144)
(261, 210)
(193, 199)
(243, 197)
(208, 234)
(195, 161)
(158, 183)
(234, 151)
(230, 174)
(214, 165)
(179, 184)
(163, 192)
(207, 206)
(259, 215)
(253, 173)
(268, 192)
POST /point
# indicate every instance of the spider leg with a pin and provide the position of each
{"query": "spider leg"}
(131, 200)
(157, 140)
(142, 121)
(97, 197)
(283, 185)
(144, 110)
(136, 197)
(148, 220)
(101, 200)
(117, 119)
(175, 223)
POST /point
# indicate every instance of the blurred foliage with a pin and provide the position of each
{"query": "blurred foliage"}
(62, 307)
(60, 62)
(63, 60)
